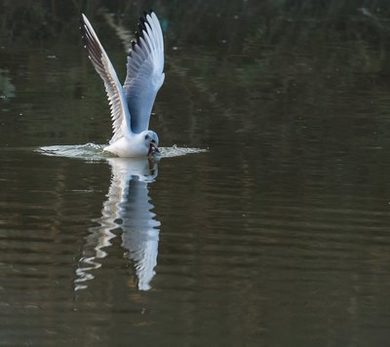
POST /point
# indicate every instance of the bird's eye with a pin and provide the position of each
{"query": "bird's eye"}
(146, 137)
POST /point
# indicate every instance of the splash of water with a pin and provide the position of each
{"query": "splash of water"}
(94, 152)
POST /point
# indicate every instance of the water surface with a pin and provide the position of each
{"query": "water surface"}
(277, 235)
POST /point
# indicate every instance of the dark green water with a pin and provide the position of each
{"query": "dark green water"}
(277, 236)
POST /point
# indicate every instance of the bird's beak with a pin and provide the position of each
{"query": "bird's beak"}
(153, 149)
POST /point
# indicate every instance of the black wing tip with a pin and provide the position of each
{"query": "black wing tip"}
(148, 12)
(132, 48)
(141, 27)
(82, 23)
(88, 41)
(84, 35)
(83, 27)
(82, 16)
(143, 19)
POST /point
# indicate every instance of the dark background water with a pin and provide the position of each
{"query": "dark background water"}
(278, 236)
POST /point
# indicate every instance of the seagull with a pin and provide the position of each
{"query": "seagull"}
(131, 104)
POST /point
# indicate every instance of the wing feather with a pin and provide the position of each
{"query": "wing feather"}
(145, 65)
(120, 115)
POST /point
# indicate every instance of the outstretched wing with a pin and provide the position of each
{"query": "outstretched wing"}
(145, 64)
(120, 115)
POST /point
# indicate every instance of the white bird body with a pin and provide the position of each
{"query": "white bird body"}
(131, 105)
(129, 146)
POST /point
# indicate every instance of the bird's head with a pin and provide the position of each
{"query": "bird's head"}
(151, 142)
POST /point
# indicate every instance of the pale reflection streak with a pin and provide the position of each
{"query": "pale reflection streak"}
(128, 208)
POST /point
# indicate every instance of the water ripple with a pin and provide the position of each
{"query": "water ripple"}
(94, 152)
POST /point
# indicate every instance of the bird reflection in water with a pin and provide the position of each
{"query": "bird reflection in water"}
(129, 209)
